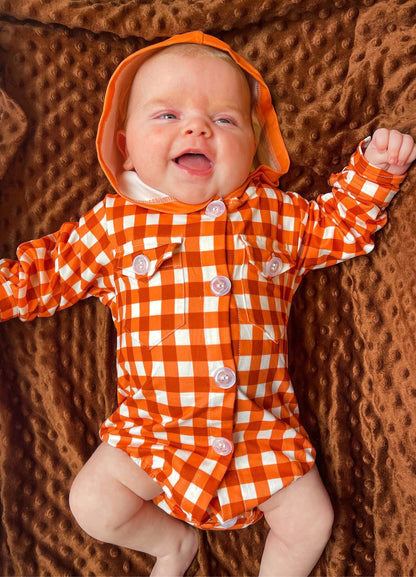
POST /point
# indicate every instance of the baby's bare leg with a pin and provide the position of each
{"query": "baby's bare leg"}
(111, 500)
(300, 519)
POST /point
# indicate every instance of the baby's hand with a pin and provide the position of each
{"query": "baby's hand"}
(391, 150)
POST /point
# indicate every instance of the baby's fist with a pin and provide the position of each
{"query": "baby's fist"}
(391, 150)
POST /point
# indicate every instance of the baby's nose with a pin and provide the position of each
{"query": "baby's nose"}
(197, 127)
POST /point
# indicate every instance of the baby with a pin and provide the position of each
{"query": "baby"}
(198, 255)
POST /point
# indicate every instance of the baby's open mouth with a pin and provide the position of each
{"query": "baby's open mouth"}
(194, 161)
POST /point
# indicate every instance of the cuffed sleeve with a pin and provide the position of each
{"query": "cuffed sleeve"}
(341, 224)
(57, 270)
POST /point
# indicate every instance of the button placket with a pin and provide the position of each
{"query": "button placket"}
(225, 378)
(222, 446)
(215, 209)
(220, 285)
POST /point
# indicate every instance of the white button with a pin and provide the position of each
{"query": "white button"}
(222, 446)
(225, 378)
(141, 264)
(229, 523)
(220, 285)
(215, 208)
(274, 266)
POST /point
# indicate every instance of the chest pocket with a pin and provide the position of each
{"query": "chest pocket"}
(150, 281)
(267, 284)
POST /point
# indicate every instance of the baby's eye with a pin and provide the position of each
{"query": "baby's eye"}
(224, 121)
(167, 116)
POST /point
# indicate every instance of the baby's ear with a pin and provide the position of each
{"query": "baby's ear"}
(122, 146)
(121, 143)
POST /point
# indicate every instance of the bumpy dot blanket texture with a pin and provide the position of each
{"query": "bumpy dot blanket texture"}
(337, 70)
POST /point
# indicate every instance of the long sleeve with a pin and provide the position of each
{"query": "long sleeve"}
(341, 224)
(56, 271)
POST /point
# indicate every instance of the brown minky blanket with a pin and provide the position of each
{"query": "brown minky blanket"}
(337, 70)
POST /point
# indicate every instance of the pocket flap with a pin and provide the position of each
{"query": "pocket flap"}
(142, 259)
(269, 256)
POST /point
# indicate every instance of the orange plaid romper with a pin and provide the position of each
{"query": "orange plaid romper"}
(200, 296)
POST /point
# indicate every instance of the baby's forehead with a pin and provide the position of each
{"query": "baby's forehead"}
(184, 53)
(181, 54)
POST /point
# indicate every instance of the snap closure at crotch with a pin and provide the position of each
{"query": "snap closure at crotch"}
(220, 285)
(230, 523)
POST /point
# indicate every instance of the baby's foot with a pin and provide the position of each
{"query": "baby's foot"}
(177, 562)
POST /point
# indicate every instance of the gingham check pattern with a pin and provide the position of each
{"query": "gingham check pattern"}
(175, 333)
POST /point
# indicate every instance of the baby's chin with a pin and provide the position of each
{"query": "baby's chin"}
(192, 200)
(191, 195)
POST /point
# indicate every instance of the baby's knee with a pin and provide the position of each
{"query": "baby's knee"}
(321, 526)
(81, 500)
(88, 506)
(310, 531)
(302, 513)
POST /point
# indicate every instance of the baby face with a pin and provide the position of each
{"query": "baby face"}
(188, 130)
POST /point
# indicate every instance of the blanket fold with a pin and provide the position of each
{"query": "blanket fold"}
(13, 125)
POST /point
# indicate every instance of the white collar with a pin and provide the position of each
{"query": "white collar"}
(131, 186)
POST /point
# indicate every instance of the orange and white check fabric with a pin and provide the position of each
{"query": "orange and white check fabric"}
(201, 303)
